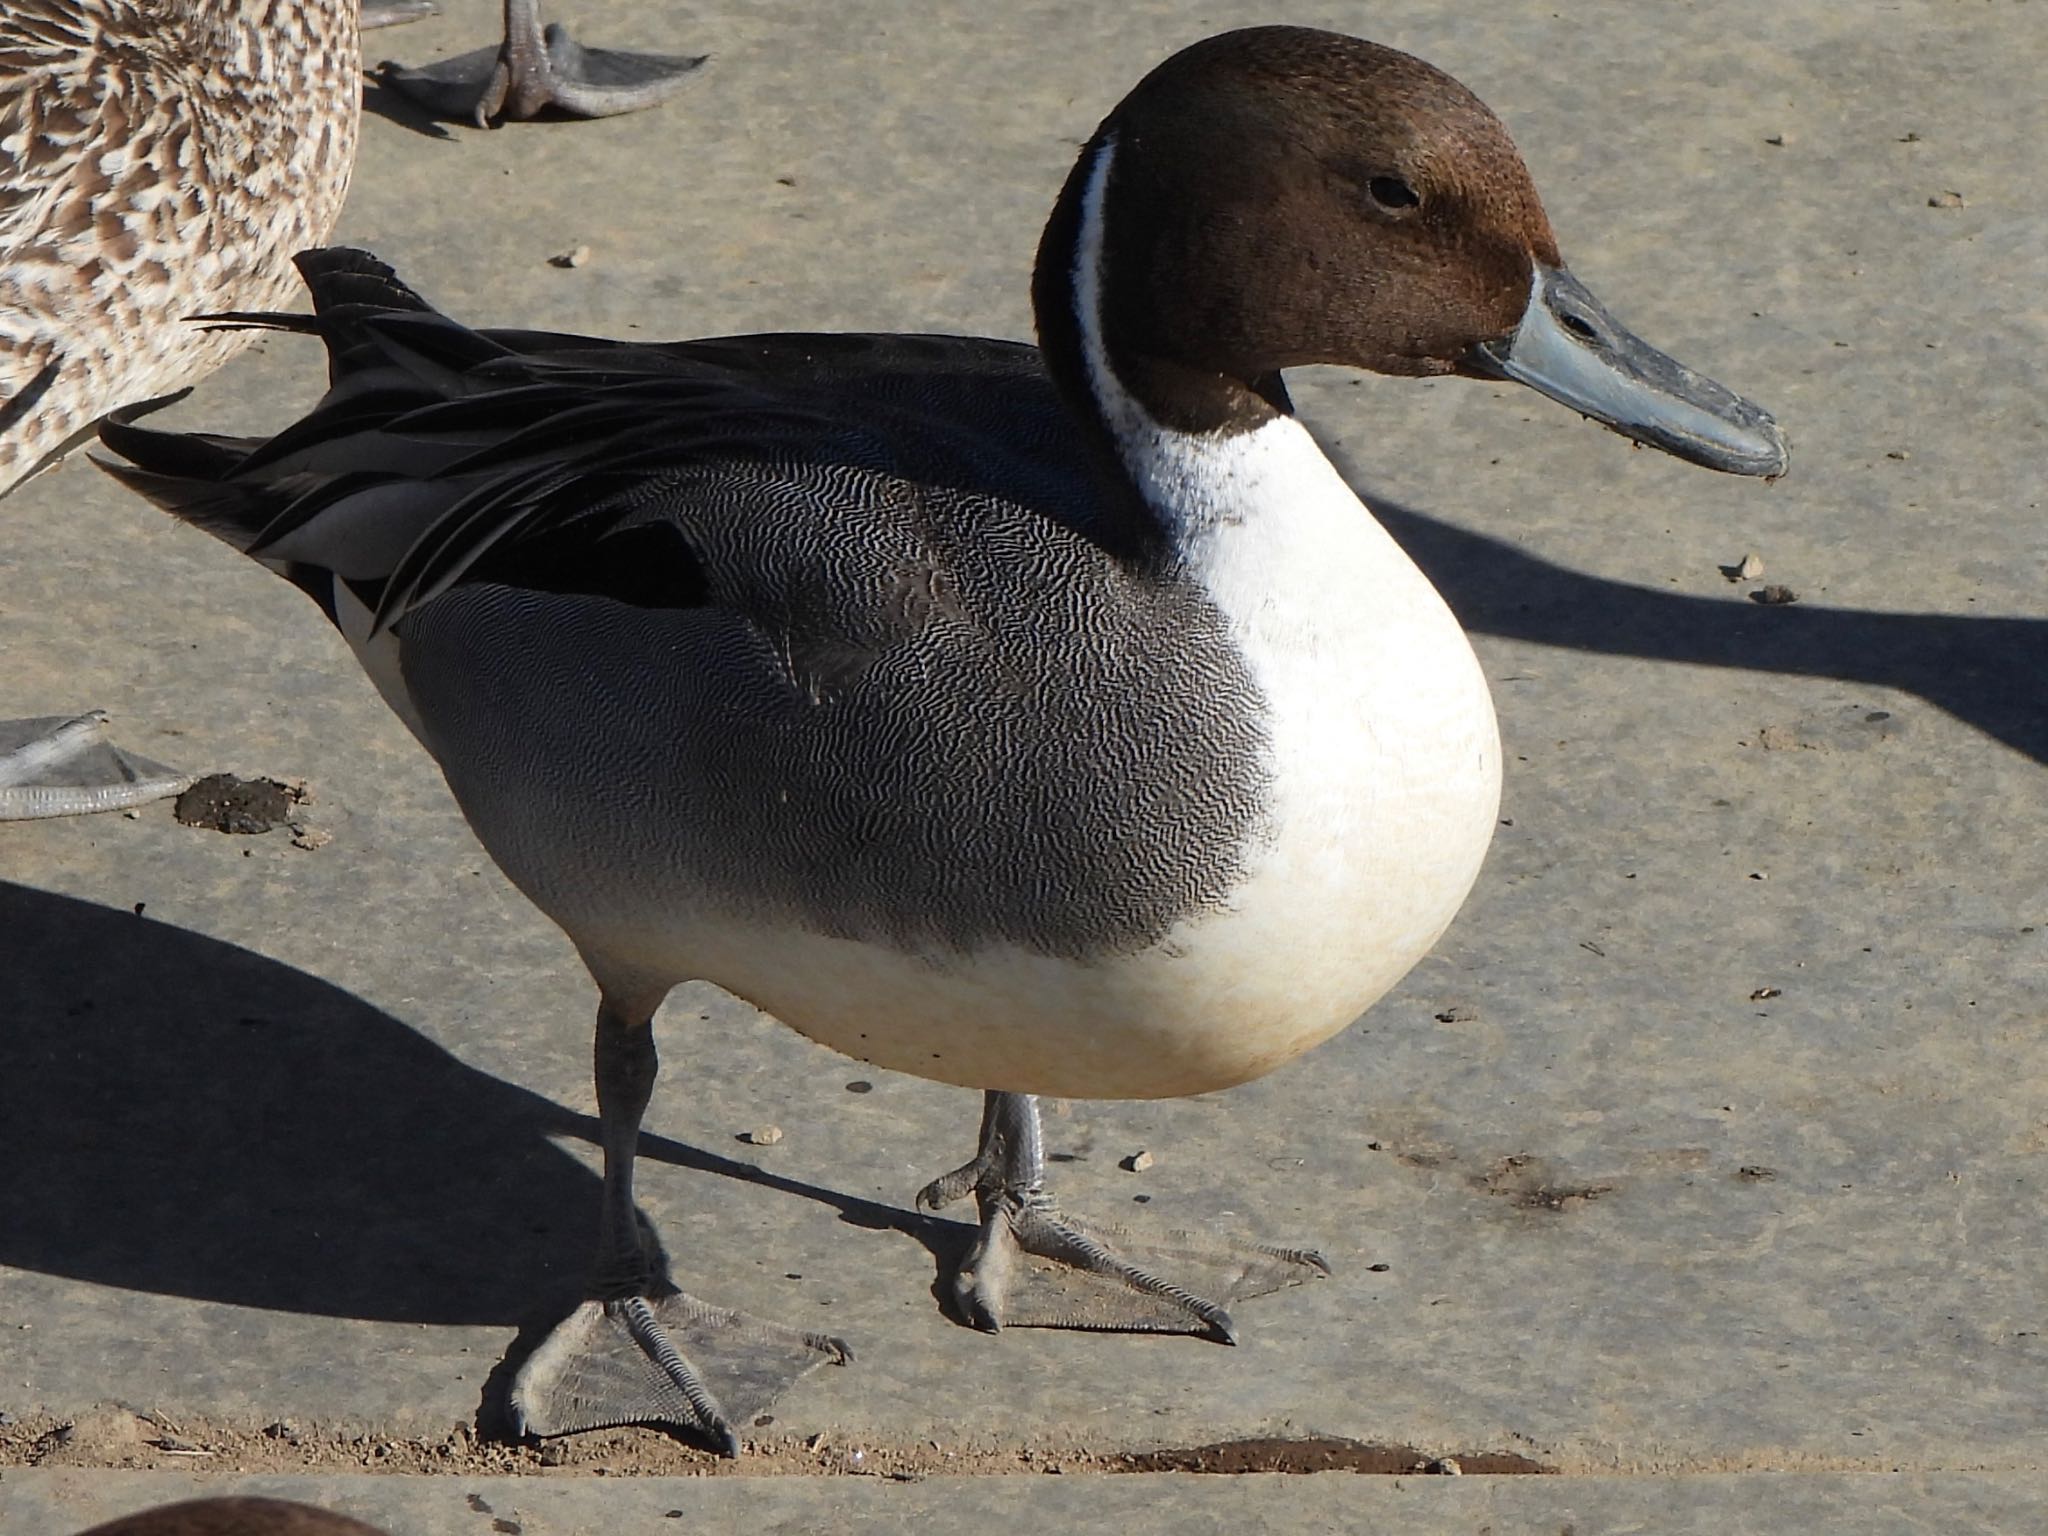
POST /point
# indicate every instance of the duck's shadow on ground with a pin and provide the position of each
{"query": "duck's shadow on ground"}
(1991, 673)
(381, 100)
(189, 1118)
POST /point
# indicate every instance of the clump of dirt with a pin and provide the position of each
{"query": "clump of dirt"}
(147, 1441)
(243, 806)
(1532, 1185)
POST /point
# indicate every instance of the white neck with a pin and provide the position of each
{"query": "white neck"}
(1194, 482)
(1327, 608)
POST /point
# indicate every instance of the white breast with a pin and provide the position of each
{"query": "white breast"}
(1385, 751)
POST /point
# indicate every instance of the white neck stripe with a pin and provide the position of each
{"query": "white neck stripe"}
(1191, 480)
(1120, 411)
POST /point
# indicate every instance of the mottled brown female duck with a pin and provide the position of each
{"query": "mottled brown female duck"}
(163, 159)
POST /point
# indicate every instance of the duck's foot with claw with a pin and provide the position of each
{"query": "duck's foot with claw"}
(1034, 1266)
(670, 1360)
(63, 765)
(535, 69)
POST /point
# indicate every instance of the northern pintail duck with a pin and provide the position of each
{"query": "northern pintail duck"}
(163, 159)
(1044, 720)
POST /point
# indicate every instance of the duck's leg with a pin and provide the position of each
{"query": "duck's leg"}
(59, 765)
(1102, 1278)
(533, 69)
(641, 1351)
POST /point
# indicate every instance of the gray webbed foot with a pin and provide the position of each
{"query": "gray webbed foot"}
(1033, 1266)
(532, 70)
(669, 1359)
(58, 765)
(640, 1351)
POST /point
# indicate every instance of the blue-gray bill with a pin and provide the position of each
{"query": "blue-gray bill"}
(1571, 349)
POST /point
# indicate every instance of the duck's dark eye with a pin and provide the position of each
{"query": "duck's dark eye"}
(1391, 193)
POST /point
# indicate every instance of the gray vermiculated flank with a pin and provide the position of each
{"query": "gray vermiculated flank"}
(911, 711)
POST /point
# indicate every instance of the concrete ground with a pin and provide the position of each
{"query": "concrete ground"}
(1701, 1163)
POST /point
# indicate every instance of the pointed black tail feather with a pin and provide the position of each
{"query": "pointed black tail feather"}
(187, 474)
(368, 316)
(340, 275)
(198, 455)
(373, 325)
(359, 306)
(341, 281)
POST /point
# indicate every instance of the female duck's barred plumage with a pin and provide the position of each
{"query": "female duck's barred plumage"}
(159, 159)
(904, 623)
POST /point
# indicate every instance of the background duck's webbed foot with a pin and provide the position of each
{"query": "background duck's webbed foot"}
(1034, 1266)
(669, 1359)
(63, 765)
(532, 70)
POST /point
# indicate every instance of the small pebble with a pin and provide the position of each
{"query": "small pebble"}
(764, 1135)
(1777, 139)
(1947, 200)
(1774, 596)
(1749, 567)
(1762, 994)
(1137, 1162)
(1447, 1466)
(575, 256)
(1457, 1013)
